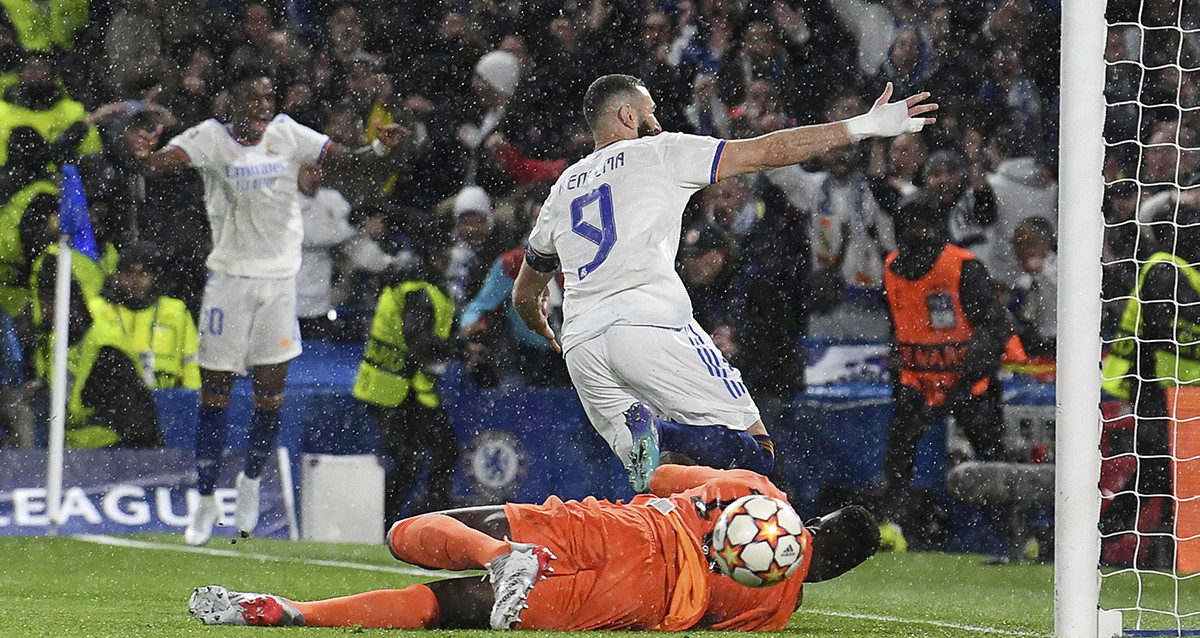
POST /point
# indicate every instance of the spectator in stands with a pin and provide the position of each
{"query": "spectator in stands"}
(16, 405)
(953, 62)
(760, 113)
(907, 65)
(964, 196)
(191, 98)
(1034, 304)
(1010, 96)
(29, 196)
(894, 168)
(253, 46)
(135, 56)
(475, 243)
(873, 26)
(1126, 244)
(329, 237)
(37, 101)
(108, 401)
(46, 27)
(712, 37)
(1147, 359)
(707, 254)
(850, 234)
(496, 76)
(361, 186)
(158, 330)
(1023, 186)
(759, 56)
(661, 71)
(411, 335)
(164, 209)
(490, 320)
(947, 343)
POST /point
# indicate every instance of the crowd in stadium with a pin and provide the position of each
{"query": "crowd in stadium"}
(490, 93)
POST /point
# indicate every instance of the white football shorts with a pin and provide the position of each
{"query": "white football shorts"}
(246, 322)
(677, 372)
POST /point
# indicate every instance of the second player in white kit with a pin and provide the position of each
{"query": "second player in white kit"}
(248, 317)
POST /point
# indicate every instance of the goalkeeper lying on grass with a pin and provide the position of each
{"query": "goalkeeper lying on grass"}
(577, 566)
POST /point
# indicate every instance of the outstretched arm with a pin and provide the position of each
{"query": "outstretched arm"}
(795, 145)
(387, 138)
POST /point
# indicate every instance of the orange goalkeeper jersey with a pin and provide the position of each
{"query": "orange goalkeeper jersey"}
(642, 565)
(701, 493)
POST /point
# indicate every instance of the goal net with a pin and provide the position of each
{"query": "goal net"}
(1149, 290)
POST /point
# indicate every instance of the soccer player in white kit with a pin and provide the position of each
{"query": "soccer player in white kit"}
(248, 315)
(648, 376)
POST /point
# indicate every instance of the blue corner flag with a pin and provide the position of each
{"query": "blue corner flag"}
(73, 218)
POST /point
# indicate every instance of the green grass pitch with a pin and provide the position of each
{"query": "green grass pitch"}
(138, 586)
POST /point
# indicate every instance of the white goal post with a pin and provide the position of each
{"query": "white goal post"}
(1160, 41)
(1077, 391)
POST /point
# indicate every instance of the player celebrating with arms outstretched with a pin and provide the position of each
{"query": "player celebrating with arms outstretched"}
(649, 377)
(248, 315)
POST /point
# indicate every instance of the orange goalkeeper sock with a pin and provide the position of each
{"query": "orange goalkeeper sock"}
(441, 542)
(414, 607)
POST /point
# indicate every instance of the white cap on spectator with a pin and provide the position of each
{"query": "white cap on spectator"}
(501, 70)
(473, 199)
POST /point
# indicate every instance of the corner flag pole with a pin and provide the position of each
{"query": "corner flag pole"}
(58, 385)
(74, 231)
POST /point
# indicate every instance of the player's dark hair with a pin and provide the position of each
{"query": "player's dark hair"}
(603, 91)
(242, 74)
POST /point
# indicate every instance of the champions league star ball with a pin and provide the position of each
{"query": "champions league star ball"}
(758, 541)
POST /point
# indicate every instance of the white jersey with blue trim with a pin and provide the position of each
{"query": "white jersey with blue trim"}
(251, 194)
(613, 219)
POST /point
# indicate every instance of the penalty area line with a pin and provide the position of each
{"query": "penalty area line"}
(102, 539)
(919, 621)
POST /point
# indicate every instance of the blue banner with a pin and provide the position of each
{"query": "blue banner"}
(125, 492)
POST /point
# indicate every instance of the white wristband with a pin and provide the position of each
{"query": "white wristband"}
(379, 148)
(888, 120)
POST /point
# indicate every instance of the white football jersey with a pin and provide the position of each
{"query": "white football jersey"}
(251, 194)
(613, 219)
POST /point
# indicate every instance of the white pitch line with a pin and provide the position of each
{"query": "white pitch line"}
(115, 541)
(935, 623)
(102, 539)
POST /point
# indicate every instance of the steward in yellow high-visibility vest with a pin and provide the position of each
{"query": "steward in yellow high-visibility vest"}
(108, 403)
(410, 333)
(159, 330)
(1157, 347)
(387, 375)
(46, 25)
(14, 264)
(1178, 365)
(37, 101)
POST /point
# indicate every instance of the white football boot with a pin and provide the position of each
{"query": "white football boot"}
(200, 527)
(245, 513)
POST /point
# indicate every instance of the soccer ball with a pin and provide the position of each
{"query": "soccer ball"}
(758, 541)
